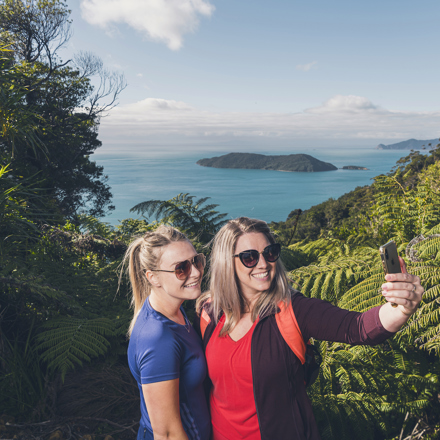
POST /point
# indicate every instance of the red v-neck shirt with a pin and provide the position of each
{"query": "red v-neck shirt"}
(233, 410)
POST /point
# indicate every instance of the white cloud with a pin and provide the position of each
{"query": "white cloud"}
(346, 104)
(151, 105)
(139, 75)
(341, 118)
(306, 67)
(161, 20)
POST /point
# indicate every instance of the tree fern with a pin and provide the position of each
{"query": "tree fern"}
(365, 384)
(408, 212)
(185, 213)
(67, 342)
(333, 272)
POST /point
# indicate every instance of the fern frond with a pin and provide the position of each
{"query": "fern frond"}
(68, 342)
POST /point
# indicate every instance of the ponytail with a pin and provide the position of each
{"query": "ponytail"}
(144, 253)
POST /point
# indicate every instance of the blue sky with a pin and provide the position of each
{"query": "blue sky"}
(247, 74)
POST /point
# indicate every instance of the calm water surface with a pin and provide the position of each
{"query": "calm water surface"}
(269, 195)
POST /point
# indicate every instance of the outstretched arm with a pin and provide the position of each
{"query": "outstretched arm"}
(404, 290)
(162, 401)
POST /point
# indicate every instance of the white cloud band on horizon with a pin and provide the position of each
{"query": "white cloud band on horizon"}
(338, 118)
(161, 20)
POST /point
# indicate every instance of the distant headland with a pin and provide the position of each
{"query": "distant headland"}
(410, 144)
(292, 162)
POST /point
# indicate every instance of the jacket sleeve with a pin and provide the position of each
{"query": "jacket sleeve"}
(326, 322)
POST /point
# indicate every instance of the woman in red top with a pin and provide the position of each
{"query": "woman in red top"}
(258, 390)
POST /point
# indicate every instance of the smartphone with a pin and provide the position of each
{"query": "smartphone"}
(390, 257)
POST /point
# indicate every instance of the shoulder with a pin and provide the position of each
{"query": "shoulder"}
(150, 331)
(310, 310)
(205, 308)
(301, 301)
(203, 302)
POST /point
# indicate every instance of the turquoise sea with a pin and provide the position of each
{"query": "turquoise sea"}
(142, 174)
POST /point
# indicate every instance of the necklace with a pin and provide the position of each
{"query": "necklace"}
(187, 325)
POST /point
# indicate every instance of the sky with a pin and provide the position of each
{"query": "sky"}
(248, 75)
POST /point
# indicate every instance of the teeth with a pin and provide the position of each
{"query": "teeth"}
(261, 275)
(191, 285)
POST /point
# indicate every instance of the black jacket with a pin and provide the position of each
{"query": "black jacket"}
(283, 408)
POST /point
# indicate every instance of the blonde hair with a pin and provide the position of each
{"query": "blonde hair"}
(142, 254)
(224, 294)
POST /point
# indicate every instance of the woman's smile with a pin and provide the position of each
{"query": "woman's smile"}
(253, 280)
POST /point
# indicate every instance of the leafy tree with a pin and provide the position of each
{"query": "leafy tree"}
(17, 122)
(70, 137)
(35, 29)
(60, 100)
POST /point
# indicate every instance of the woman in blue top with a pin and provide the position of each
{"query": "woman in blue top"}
(165, 355)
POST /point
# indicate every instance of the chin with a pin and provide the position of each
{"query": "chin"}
(194, 295)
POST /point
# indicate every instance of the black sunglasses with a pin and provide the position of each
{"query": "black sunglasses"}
(182, 270)
(251, 257)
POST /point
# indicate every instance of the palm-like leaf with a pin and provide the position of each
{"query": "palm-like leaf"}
(68, 342)
(189, 215)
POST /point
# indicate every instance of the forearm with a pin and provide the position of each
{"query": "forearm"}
(323, 321)
(162, 401)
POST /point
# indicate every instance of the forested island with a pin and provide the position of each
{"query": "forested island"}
(410, 144)
(354, 167)
(292, 162)
(64, 316)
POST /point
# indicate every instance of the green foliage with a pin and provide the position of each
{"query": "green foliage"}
(407, 212)
(340, 217)
(408, 168)
(66, 341)
(183, 212)
(351, 217)
(23, 386)
(18, 124)
(337, 267)
(293, 258)
(364, 392)
(49, 112)
(367, 392)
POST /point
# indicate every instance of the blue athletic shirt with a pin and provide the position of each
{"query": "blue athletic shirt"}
(161, 349)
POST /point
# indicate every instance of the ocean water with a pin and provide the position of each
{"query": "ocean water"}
(141, 175)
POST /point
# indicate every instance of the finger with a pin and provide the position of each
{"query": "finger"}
(408, 304)
(402, 265)
(408, 298)
(405, 277)
(400, 297)
(398, 286)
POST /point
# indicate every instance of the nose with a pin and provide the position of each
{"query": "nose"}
(197, 272)
(262, 263)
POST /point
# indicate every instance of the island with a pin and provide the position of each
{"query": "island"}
(410, 144)
(354, 167)
(251, 161)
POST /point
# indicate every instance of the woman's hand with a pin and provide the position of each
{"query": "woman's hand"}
(403, 293)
